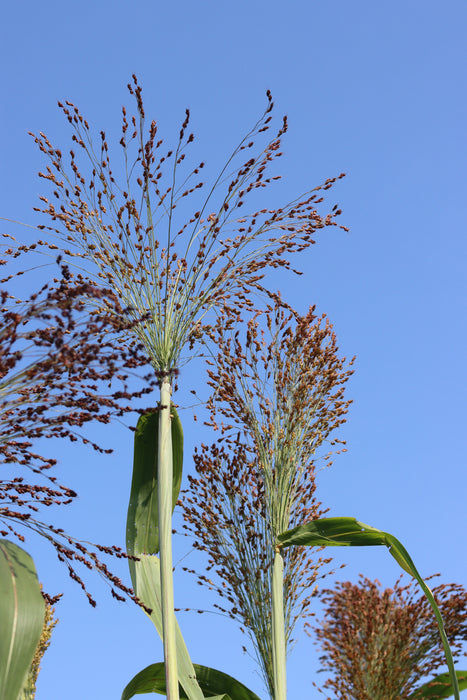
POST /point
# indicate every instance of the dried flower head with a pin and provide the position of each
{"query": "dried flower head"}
(157, 258)
(382, 644)
(60, 369)
(276, 398)
(28, 691)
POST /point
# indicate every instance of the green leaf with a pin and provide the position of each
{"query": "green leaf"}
(142, 532)
(333, 532)
(147, 586)
(351, 532)
(22, 613)
(150, 680)
(215, 685)
(440, 687)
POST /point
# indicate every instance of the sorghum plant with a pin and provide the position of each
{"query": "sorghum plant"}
(382, 644)
(56, 366)
(277, 398)
(174, 267)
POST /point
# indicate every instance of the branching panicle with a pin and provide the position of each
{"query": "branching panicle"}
(382, 644)
(175, 267)
(276, 398)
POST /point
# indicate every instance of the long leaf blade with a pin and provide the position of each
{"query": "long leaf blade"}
(147, 585)
(440, 687)
(142, 532)
(22, 612)
(215, 685)
(332, 532)
(350, 532)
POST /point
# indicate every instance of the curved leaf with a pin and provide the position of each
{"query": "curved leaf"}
(142, 532)
(332, 532)
(215, 685)
(440, 687)
(22, 612)
(147, 586)
(213, 682)
(351, 532)
(150, 680)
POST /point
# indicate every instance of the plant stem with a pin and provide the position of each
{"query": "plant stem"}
(165, 478)
(278, 628)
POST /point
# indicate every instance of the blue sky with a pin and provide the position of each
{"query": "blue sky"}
(376, 90)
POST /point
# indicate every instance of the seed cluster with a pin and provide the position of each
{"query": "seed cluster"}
(278, 394)
(60, 369)
(174, 268)
(383, 644)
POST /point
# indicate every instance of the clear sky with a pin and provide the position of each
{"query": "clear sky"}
(374, 89)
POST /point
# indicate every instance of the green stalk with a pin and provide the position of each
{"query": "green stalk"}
(165, 477)
(278, 628)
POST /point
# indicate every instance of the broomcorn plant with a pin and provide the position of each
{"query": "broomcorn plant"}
(174, 267)
(382, 644)
(276, 398)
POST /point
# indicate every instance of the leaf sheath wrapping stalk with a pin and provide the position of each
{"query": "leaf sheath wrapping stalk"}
(143, 538)
(278, 629)
(164, 494)
(142, 529)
